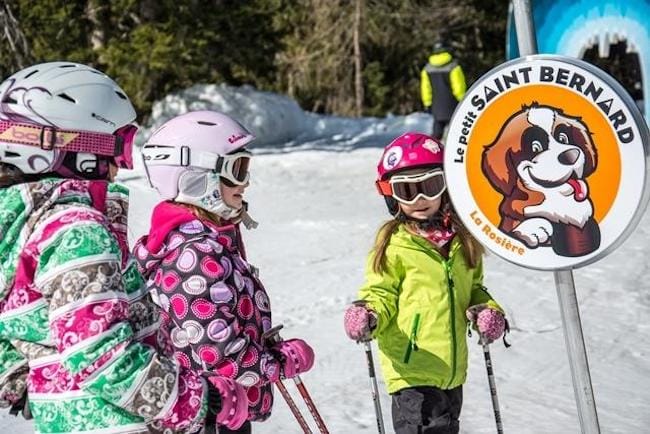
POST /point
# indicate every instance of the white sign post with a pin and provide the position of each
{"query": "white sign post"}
(547, 165)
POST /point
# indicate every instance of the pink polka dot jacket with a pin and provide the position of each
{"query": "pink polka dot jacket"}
(215, 309)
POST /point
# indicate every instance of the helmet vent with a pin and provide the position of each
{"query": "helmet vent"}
(31, 73)
(67, 97)
(9, 100)
(68, 66)
(9, 154)
(210, 124)
(121, 95)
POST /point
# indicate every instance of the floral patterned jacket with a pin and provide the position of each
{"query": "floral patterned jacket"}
(214, 306)
(77, 321)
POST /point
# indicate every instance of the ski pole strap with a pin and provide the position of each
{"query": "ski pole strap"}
(50, 138)
(506, 330)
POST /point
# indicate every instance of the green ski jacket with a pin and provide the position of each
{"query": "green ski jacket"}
(420, 302)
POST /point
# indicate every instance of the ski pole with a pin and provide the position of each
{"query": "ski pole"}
(273, 336)
(375, 389)
(493, 386)
(310, 404)
(269, 337)
(293, 407)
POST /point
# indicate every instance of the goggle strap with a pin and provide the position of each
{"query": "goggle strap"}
(384, 188)
(163, 155)
(185, 156)
(50, 138)
(219, 164)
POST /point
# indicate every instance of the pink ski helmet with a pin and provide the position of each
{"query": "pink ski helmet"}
(184, 152)
(411, 150)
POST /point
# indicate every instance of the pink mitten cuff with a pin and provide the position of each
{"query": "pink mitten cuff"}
(234, 402)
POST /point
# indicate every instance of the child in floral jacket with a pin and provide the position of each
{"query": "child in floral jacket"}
(79, 341)
(214, 306)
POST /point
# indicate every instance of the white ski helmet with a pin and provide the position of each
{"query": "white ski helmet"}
(50, 110)
(190, 155)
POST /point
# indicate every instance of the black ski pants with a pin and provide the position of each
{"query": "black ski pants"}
(427, 410)
(439, 129)
(245, 429)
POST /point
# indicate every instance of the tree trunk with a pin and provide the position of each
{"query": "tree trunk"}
(15, 38)
(358, 71)
(96, 13)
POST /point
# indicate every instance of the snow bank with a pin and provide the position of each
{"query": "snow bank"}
(279, 122)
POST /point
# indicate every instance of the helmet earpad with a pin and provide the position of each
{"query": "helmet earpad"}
(193, 183)
(393, 205)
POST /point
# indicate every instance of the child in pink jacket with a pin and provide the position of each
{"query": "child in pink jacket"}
(79, 341)
(215, 307)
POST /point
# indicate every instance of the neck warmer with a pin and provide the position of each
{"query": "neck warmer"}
(438, 236)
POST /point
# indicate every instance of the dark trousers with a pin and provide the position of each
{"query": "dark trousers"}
(245, 429)
(439, 129)
(427, 410)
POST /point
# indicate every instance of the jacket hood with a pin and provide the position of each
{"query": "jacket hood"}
(151, 249)
(23, 205)
(166, 217)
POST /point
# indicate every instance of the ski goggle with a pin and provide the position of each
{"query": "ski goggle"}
(409, 188)
(127, 134)
(232, 168)
(118, 145)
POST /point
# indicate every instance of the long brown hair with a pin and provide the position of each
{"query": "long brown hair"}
(472, 249)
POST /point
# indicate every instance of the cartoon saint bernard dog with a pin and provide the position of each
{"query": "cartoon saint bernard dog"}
(539, 162)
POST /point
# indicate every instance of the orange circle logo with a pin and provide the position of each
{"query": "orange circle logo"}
(543, 159)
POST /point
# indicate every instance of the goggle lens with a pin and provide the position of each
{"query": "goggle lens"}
(240, 168)
(125, 159)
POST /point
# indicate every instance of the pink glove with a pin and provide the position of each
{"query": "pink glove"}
(296, 355)
(234, 402)
(490, 323)
(359, 321)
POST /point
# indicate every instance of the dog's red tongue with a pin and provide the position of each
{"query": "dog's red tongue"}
(579, 189)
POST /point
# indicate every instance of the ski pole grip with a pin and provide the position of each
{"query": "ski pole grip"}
(272, 335)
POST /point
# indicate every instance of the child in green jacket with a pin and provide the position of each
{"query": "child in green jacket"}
(423, 284)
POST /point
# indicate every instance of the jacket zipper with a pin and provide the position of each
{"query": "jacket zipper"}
(412, 345)
(452, 316)
(452, 319)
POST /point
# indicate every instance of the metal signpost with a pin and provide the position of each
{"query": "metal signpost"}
(547, 165)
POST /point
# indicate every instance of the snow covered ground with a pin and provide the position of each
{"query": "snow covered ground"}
(318, 212)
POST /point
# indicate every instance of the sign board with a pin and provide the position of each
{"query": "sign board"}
(546, 161)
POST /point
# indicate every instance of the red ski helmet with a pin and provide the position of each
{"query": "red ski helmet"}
(409, 151)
